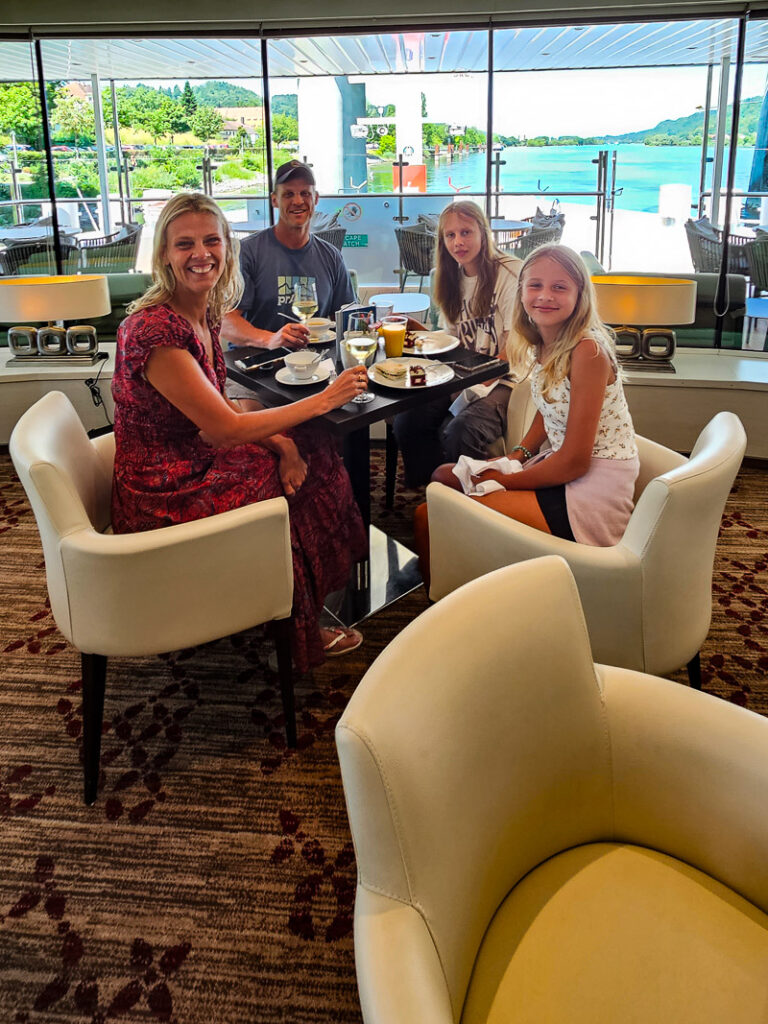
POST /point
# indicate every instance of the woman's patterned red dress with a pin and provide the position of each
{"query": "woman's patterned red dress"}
(165, 473)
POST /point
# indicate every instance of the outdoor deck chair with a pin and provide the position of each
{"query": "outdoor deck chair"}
(417, 252)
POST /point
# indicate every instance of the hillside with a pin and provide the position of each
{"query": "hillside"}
(224, 94)
(687, 131)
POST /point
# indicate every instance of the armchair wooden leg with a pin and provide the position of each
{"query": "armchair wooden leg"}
(694, 672)
(94, 668)
(390, 468)
(282, 633)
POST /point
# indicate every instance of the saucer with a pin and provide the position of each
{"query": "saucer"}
(324, 338)
(284, 376)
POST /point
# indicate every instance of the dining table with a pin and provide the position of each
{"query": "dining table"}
(27, 234)
(506, 230)
(391, 570)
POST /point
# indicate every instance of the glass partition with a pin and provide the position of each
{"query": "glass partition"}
(26, 234)
(194, 120)
(394, 126)
(639, 148)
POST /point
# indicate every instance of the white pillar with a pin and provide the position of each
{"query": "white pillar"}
(320, 131)
(101, 157)
(408, 130)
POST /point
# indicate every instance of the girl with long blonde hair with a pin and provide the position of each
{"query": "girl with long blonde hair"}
(576, 467)
(184, 451)
(474, 290)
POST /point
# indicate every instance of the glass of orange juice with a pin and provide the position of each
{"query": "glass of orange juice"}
(393, 328)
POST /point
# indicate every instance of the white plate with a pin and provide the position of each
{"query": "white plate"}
(323, 339)
(437, 373)
(284, 376)
(433, 343)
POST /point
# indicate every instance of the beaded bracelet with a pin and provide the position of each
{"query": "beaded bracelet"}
(524, 450)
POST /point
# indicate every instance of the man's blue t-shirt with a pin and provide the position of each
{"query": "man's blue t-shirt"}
(270, 270)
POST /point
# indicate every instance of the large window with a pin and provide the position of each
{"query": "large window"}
(613, 135)
(26, 238)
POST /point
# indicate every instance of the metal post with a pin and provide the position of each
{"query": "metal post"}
(705, 141)
(15, 188)
(721, 298)
(489, 134)
(46, 126)
(119, 155)
(722, 113)
(267, 125)
(101, 156)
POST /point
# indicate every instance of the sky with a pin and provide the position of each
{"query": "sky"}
(566, 102)
(553, 103)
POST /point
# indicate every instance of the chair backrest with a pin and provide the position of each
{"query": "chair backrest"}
(334, 236)
(474, 749)
(417, 248)
(115, 256)
(757, 258)
(673, 531)
(68, 480)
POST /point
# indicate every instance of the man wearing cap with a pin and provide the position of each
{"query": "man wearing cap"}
(271, 262)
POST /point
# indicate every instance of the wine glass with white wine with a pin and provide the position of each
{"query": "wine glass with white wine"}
(361, 341)
(304, 301)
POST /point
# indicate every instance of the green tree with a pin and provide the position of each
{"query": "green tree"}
(284, 128)
(206, 122)
(188, 101)
(72, 118)
(20, 112)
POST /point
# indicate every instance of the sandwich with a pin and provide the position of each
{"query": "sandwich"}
(391, 369)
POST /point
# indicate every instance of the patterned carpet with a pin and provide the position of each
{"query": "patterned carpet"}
(213, 881)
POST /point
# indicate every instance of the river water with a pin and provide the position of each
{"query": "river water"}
(640, 171)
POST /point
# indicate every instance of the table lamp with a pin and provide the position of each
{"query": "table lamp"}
(628, 303)
(35, 299)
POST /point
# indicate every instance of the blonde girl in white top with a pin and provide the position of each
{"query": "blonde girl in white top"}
(581, 487)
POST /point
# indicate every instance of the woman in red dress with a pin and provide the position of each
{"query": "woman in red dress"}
(185, 451)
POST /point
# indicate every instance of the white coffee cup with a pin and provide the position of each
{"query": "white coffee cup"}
(318, 325)
(302, 364)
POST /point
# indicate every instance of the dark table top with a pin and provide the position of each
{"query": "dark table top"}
(388, 401)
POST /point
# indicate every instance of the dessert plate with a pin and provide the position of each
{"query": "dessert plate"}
(429, 343)
(436, 373)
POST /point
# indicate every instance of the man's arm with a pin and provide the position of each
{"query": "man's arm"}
(236, 330)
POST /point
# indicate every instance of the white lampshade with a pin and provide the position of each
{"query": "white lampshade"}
(645, 301)
(26, 300)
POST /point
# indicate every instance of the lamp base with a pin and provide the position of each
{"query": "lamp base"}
(66, 360)
(651, 349)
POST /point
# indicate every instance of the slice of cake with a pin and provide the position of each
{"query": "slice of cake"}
(418, 376)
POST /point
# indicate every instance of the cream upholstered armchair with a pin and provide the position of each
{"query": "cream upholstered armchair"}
(648, 599)
(542, 839)
(144, 593)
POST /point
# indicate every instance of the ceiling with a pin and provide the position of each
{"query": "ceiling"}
(655, 44)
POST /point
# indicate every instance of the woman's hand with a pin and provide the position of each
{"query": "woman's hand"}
(491, 474)
(347, 386)
(292, 468)
(291, 335)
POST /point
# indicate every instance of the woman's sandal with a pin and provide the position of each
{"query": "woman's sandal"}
(344, 641)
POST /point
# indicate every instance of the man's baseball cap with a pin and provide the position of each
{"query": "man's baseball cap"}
(292, 169)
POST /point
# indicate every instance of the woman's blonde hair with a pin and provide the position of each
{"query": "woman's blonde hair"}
(584, 322)
(226, 293)
(448, 274)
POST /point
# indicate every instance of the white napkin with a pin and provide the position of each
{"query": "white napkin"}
(326, 364)
(466, 468)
